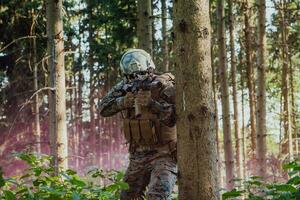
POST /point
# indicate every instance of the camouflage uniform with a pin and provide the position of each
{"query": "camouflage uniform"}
(152, 168)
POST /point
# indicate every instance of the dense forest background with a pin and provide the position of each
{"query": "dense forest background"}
(96, 33)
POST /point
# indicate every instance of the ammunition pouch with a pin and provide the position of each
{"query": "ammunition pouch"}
(142, 131)
(148, 132)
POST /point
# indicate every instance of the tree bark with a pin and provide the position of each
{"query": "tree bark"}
(164, 35)
(294, 110)
(229, 161)
(92, 88)
(79, 117)
(250, 84)
(195, 125)
(215, 96)
(261, 150)
(243, 132)
(237, 133)
(37, 129)
(285, 84)
(144, 25)
(57, 97)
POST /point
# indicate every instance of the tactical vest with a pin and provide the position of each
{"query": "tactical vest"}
(147, 130)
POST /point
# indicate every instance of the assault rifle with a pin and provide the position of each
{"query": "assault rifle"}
(146, 83)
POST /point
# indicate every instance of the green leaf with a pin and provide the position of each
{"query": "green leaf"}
(9, 195)
(123, 186)
(119, 176)
(258, 183)
(290, 165)
(76, 181)
(38, 182)
(231, 194)
(27, 158)
(70, 172)
(294, 181)
(285, 188)
(37, 171)
(112, 188)
(297, 195)
(2, 181)
(75, 196)
(13, 181)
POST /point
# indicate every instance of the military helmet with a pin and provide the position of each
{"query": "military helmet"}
(136, 60)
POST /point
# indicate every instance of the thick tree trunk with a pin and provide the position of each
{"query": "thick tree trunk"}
(164, 35)
(250, 84)
(57, 97)
(237, 133)
(144, 25)
(195, 125)
(229, 161)
(261, 92)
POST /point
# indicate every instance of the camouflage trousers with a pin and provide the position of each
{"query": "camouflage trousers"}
(150, 174)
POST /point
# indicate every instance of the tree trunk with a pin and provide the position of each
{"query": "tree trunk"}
(92, 88)
(76, 137)
(144, 25)
(229, 162)
(164, 35)
(250, 84)
(261, 92)
(216, 125)
(37, 129)
(294, 108)
(215, 96)
(57, 97)
(79, 117)
(195, 125)
(243, 132)
(237, 133)
(285, 84)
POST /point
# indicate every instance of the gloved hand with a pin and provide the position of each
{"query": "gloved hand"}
(126, 101)
(143, 98)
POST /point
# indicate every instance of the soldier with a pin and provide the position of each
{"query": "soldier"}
(147, 103)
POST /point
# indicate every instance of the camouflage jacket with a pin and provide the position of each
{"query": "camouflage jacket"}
(163, 103)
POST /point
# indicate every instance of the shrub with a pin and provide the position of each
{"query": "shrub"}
(256, 189)
(39, 183)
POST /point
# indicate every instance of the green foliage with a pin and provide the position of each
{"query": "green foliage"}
(256, 189)
(39, 182)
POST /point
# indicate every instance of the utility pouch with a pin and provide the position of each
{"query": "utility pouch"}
(148, 132)
(127, 130)
(135, 130)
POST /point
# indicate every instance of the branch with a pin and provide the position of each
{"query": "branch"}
(26, 103)
(21, 38)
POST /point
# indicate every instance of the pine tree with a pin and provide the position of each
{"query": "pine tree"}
(165, 48)
(261, 92)
(57, 103)
(228, 151)
(249, 63)
(237, 133)
(195, 125)
(144, 25)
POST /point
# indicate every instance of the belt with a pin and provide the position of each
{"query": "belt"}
(169, 147)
